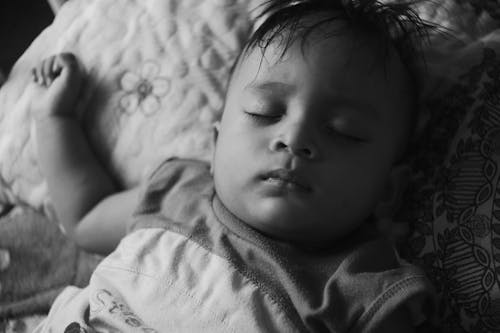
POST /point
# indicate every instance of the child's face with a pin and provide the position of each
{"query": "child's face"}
(306, 146)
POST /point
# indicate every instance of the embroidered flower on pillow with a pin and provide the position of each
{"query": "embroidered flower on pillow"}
(143, 90)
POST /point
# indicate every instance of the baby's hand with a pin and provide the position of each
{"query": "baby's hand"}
(57, 82)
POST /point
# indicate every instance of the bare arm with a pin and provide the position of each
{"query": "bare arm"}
(88, 203)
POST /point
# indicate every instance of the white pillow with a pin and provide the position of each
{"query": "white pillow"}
(181, 51)
(157, 74)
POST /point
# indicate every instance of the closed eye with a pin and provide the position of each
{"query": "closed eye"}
(335, 133)
(263, 118)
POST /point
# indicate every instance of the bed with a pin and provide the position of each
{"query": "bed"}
(166, 62)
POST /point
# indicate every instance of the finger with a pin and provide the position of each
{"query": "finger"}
(68, 64)
(56, 67)
(47, 70)
(40, 73)
(37, 73)
(69, 60)
(34, 76)
(53, 73)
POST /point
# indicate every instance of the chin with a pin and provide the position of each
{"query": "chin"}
(278, 232)
(281, 227)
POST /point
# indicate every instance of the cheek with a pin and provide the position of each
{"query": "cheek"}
(233, 158)
(354, 199)
(395, 138)
(354, 184)
(233, 147)
(239, 140)
(360, 180)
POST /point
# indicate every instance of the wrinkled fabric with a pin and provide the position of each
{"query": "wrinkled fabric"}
(189, 265)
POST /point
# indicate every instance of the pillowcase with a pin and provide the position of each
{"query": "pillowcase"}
(157, 74)
(157, 71)
(453, 201)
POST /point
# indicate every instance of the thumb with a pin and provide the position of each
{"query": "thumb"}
(65, 66)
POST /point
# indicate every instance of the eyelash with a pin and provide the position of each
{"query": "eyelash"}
(262, 117)
(268, 119)
(334, 132)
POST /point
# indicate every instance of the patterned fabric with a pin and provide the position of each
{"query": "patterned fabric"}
(172, 56)
(20, 325)
(489, 7)
(454, 200)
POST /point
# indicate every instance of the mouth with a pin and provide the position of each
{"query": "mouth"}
(285, 178)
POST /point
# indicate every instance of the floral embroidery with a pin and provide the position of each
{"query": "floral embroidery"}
(455, 200)
(143, 90)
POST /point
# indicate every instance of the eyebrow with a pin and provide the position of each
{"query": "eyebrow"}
(283, 88)
(365, 109)
(274, 86)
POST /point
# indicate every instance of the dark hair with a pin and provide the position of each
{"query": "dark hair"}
(397, 24)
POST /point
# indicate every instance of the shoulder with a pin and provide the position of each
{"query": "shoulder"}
(177, 190)
(184, 175)
(387, 288)
(174, 169)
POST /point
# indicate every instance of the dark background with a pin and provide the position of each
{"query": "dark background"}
(20, 22)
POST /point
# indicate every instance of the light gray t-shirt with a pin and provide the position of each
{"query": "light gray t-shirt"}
(189, 265)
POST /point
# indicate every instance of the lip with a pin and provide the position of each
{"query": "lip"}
(285, 178)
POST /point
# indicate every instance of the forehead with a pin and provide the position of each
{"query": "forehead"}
(313, 29)
(332, 56)
(327, 40)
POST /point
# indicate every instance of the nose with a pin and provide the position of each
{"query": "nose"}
(296, 139)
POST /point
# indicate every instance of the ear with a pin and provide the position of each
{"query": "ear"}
(215, 135)
(395, 188)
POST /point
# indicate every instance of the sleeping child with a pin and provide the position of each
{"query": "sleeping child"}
(279, 232)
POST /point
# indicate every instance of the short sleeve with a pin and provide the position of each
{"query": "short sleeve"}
(411, 291)
(375, 283)
(169, 192)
